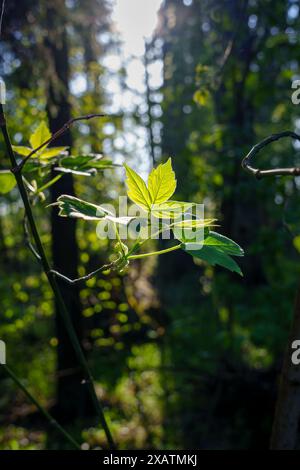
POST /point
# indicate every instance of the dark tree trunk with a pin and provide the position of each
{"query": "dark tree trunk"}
(287, 414)
(72, 401)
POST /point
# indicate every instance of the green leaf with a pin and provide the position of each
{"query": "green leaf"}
(137, 189)
(7, 181)
(62, 169)
(84, 164)
(35, 166)
(170, 209)
(213, 256)
(225, 244)
(104, 164)
(194, 223)
(194, 231)
(70, 206)
(189, 235)
(76, 162)
(162, 183)
(40, 135)
(51, 152)
(21, 150)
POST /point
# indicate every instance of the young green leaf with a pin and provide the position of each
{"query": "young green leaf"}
(170, 209)
(137, 189)
(40, 135)
(7, 181)
(62, 169)
(213, 256)
(192, 231)
(70, 206)
(22, 150)
(84, 164)
(47, 153)
(223, 243)
(193, 223)
(162, 183)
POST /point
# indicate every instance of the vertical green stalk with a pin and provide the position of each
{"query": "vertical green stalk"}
(52, 281)
(43, 411)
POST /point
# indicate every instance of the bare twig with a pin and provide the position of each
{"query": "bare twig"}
(105, 267)
(55, 136)
(247, 161)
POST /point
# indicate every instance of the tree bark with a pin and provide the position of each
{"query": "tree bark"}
(72, 400)
(286, 420)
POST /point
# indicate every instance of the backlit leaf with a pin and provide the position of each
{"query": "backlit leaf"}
(7, 181)
(194, 223)
(137, 189)
(162, 183)
(70, 206)
(62, 169)
(52, 152)
(21, 150)
(84, 164)
(170, 209)
(40, 135)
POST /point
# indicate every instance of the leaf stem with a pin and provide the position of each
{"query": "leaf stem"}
(152, 253)
(49, 183)
(52, 282)
(119, 239)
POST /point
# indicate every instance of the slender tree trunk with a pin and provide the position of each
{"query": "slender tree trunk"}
(72, 401)
(286, 420)
(149, 104)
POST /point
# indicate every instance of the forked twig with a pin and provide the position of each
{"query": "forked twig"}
(55, 136)
(247, 160)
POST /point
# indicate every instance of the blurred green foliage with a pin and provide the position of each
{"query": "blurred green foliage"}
(184, 355)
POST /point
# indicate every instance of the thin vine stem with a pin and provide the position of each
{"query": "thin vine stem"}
(28, 241)
(157, 253)
(40, 407)
(105, 267)
(52, 281)
(49, 183)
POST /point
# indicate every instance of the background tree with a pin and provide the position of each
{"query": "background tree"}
(183, 354)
